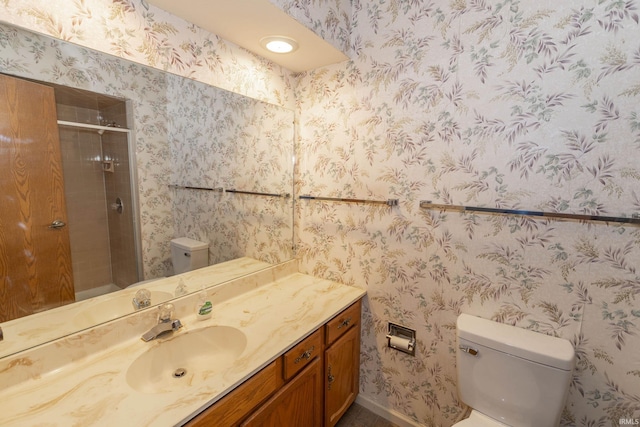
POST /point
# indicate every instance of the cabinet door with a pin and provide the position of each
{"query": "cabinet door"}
(236, 405)
(298, 403)
(342, 370)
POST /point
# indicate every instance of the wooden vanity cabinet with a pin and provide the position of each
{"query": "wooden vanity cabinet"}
(299, 401)
(311, 385)
(295, 404)
(342, 364)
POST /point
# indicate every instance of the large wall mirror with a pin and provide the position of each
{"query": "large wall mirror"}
(146, 157)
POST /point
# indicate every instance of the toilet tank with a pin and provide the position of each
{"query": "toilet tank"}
(188, 254)
(515, 376)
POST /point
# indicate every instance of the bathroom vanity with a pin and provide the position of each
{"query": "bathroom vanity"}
(317, 379)
(279, 344)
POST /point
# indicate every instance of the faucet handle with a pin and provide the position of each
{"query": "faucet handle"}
(142, 299)
(165, 313)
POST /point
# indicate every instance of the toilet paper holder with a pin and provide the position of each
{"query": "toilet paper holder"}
(402, 339)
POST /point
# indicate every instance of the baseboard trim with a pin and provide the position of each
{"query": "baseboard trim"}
(388, 414)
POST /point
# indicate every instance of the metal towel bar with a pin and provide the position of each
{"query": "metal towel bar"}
(389, 202)
(634, 219)
(190, 187)
(222, 190)
(257, 193)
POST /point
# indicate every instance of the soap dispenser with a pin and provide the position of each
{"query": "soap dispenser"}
(204, 307)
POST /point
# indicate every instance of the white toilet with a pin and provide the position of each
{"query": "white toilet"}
(186, 255)
(511, 376)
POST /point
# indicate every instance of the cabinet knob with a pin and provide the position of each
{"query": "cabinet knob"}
(306, 355)
(345, 323)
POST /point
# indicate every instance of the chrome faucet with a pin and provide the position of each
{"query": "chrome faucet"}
(166, 323)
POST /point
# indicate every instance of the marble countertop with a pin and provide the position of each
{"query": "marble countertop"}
(81, 380)
(26, 332)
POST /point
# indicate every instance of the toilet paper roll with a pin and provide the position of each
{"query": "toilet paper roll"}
(400, 343)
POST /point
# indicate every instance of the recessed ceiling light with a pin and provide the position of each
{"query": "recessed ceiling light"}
(279, 44)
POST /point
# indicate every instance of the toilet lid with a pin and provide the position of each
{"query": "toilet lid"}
(476, 419)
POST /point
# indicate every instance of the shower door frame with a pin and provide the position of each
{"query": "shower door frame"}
(133, 175)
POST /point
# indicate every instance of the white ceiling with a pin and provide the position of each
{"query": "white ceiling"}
(245, 22)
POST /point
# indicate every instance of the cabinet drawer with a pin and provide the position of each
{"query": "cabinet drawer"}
(340, 324)
(232, 408)
(303, 353)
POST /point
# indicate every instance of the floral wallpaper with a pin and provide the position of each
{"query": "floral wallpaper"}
(329, 19)
(512, 104)
(220, 139)
(145, 34)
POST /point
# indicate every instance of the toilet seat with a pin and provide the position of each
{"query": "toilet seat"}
(476, 419)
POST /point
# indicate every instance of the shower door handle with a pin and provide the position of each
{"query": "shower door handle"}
(57, 224)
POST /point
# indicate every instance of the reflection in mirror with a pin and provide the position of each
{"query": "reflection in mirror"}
(68, 212)
(98, 154)
(223, 140)
(183, 134)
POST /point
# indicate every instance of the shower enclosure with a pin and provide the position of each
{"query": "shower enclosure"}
(98, 169)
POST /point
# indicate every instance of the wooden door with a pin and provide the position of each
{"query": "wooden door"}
(298, 403)
(35, 258)
(342, 371)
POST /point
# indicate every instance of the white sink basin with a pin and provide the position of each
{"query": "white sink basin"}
(113, 307)
(186, 359)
